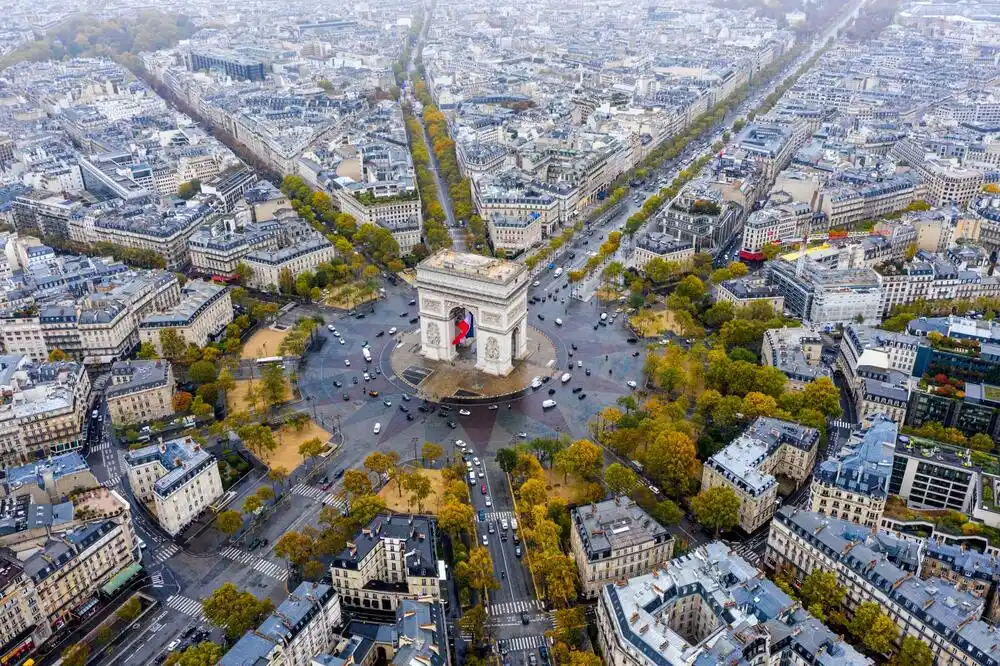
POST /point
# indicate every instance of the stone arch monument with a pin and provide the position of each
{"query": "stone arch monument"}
(494, 295)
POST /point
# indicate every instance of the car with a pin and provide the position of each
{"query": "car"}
(579, 364)
(342, 341)
(573, 346)
(422, 408)
(491, 528)
(541, 316)
(404, 314)
(364, 344)
(380, 334)
(595, 327)
(366, 376)
(346, 397)
(339, 474)
(354, 380)
(404, 409)
(338, 383)
(464, 412)
(452, 425)
(409, 417)
(653, 489)
(493, 408)
(488, 501)
(535, 283)
(378, 371)
(546, 379)
(347, 362)
(577, 389)
(387, 403)
(173, 645)
(486, 540)
(373, 394)
(548, 404)
(331, 328)
(631, 341)
(481, 474)
(635, 354)
(405, 398)
(522, 435)
(415, 320)
(476, 461)
(544, 651)
(482, 516)
(503, 648)
(524, 618)
(377, 429)
(532, 661)
(581, 396)
(392, 331)
(631, 384)
(413, 301)
(571, 355)
(483, 487)
(552, 391)
(517, 551)
(587, 372)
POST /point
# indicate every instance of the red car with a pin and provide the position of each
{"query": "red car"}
(483, 486)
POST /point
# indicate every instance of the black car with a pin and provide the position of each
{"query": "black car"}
(632, 340)
(354, 380)
(577, 389)
(552, 391)
(443, 414)
(404, 409)
(571, 354)
(587, 371)
(405, 398)
(541, 316)
(573, 346)
(338, 384)
(452, 425)
(360, 315)
(404, 314)
(635, 354)
(595, 327)
(581, 396)
(409, 417)
(346, 397)
(422, 408)
(339, 474)
(415, 320)
(380, 334)
(545, 380)
(413, 301)
(524, 618)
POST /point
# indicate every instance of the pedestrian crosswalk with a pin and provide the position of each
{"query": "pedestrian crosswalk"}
(258, 564)
(511, 607)
(103, 445)
(837, 423)
(185, 605)
(499, 515)
(157, 579)
(165, 553)
(330, 499)
(520, 643)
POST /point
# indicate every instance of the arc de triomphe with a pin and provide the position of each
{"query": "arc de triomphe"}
(494, 291)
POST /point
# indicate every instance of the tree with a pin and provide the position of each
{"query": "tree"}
(357, 482)
(277, 474)
(533, 493)
(129, 610)
(820, 590)
(507, 459)
(822, 395)
(619, 479)
(569, 625)
(243, 273)
(225, 380)
(419, 487)
(58, 355)
(691, 288)
(383, 464)
(912, 652)
(667, 513)
(76, 655)
(311, 447)
(981, 442)
(873, 628)
(582, 458)
(229, 521)
(672, 460)
(235, 611)
(431, 451)
(265, 493)
(717, 508)
(147, 352)
(473, 621)
(454, 516)
(274, 388)
(252, 504)
(366, 507)
(182, 401)
(172, 344)
(286, 281)
(202, 372)
(477, 571)
(202, 654)
(295, 547)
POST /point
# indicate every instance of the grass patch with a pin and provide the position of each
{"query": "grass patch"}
(653, 322)
(237, 400)
(402, 504)
(564, 488)
(348, 297)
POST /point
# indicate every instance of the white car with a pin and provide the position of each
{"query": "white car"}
(347, 362)
(579, 364)
(522, 435)
(476, 461)
(536, 283)
(558, 321)
(342, 341)
(653, 489)
(392, 331)
(330, 328)
(631, 384)
(486, 540)
(548, 404)
(482, 474)
(468, 465)
(367, 376)
(459, 443)
(489, 502)
(464, 412)
(377, 429)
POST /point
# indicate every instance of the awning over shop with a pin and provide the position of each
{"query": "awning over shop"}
(122, 577)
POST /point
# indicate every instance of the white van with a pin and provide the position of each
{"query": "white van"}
(367, 354)
(377, 429)
(472, 478)
(558, 321)
(548, 404)
(604, 316)
(565, 377)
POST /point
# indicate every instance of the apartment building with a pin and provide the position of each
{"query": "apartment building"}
(933, 475)
(140, 391)
(743, 291)
(300, 628)
(265, 201)
(46, 409)
(396, 212)
(229, 186)
(748, 465)
(203, 313)
(821, 296)
(656, 245)
(514, 234)
(510, 194)
(853, 483)
(712, 607)
(967, 569)
(615, 539)
(268, 264)
(49, 479)
(947, 182)
(700, 215)
(880, 567)
(178, 477)
(932, 278)
(867, 346)
(774, 224)
(393, 557)
(978, 411)
(886, 394)
(219, 246)
(145, 228)
(23, 623)
(797, 352)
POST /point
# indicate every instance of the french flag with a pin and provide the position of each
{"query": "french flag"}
(463, 328)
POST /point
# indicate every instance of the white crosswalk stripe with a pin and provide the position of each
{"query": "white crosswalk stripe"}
(157, 579)
(842, 424)
(267, 568)
(165, 553)
(499, 515)
(520, 643)
(330, 499)
(512, 607)
(186, 605)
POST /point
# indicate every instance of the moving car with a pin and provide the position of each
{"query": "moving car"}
(377, 429)
(493, 408)
(342, 341)
(486, 540)
(548, 404)
(452, 425)
(347, 362)
(464, 412)
(476, 461)
(373, 394)
(387, 403)
(460, 444)
(565, 377)
(488, 501)
(631, 384)
(558, 321)
(392, 331)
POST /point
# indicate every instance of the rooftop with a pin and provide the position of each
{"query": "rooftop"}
(474, 266)
(863, 463)
(615, 524)
(416, 533)
(183, 458)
